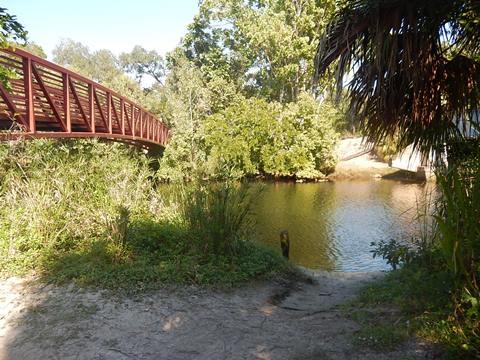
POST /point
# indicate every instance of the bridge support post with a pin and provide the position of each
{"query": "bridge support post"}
(66, 102)
(27, 81)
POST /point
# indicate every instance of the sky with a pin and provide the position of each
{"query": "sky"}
(116, 25)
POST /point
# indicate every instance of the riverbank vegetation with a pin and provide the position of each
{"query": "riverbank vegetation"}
(239, 97)
(237, 92)
(91, 212)
(422, 89)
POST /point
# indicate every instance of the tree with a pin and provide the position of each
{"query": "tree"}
(101, 66)
(34, 49)
(187, 104)
(265, 48)
(141, 62)
(253, 136)
(414, 67)
(236, 92)
(11, 32)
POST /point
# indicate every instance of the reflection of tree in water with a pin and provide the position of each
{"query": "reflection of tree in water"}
(414, 207)
(331, 225)
(303, 210)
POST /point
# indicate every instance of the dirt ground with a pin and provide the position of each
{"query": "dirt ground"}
(260, 321)
(365, 166)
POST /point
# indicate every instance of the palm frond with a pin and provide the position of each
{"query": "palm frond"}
(414, 66)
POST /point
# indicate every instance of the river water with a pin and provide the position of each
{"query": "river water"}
(332, 224)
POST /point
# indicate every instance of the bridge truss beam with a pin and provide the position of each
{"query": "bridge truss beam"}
(49, 101)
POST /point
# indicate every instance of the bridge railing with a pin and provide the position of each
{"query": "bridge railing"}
(47, 100)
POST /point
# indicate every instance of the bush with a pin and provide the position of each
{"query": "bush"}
(458, 219)
(253, 137)
(438, 283)
(218, 215)
(57, 195)
(394, 252)
(91, 212)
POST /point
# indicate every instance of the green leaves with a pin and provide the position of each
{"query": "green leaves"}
(266, 48)
(11, 32)
(458, 216)
(253, 137)
(141, 62)
(413, 67)
(10, 29)
(104, 67)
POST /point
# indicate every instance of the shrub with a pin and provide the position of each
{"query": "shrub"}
(56, 195)
(253, 137)
(218, 215)
(91, 212)
(439, 278)
(458, 220)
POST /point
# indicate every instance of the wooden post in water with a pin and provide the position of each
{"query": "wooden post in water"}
(285, 243)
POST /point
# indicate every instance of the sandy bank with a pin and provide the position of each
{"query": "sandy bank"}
(259, 321)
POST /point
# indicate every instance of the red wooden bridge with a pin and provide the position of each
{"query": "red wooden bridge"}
(49, 101)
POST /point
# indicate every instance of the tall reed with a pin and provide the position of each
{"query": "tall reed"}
(458, 217)
(218, 214)
(55, 196)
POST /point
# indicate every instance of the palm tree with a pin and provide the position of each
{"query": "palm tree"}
(413, 66)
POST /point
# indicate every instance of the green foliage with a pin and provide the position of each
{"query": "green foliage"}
(57, 195)
(429, 307)
(265, 48)
(188, 102)
(34, 49)
(10, 29)
(141, 62)
(413, 67)
(235, 57)
(458, 218)
(236, 137)
(11, 32)
(218, 215)
(393, 252)
(437, 286)
(137, 267)
(104, 67)
(381, 337)
(239, 93)
(255, 137)
(90, 212)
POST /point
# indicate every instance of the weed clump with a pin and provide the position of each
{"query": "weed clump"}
(437, 285)
(93, 213)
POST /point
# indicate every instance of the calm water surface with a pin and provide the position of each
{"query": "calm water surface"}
(332, 224)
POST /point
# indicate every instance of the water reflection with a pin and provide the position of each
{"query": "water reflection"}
(331, 225)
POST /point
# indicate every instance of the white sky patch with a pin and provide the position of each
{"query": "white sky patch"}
(115, 25)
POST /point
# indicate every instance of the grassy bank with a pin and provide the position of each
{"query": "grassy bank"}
(93, 213)
(436, 285)
(434, 291)
(417, 302)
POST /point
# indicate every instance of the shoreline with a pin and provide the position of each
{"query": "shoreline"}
(260, 320)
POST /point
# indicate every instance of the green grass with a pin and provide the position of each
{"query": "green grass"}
(114, 268)
(381, 337)
(92, 213)
(383, 328)
(425, 308)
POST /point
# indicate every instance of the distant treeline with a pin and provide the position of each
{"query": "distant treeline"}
(237, 91)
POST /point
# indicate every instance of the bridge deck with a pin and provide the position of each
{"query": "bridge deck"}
(49, 101)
